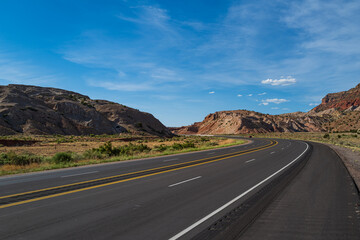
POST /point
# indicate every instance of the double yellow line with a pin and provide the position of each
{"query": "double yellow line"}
(222, 157)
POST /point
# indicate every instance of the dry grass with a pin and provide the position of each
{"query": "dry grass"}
(48, 146)
(346, 139)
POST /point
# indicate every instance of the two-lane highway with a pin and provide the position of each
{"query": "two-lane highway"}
(168, 197)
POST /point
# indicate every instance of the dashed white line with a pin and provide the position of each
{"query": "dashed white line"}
(171, 159)
(194, 225)
(250, 160)
(191, 179)
(78, 174)
(272, 152)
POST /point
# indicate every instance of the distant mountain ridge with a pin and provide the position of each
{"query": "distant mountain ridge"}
(337, 112)
(40, 110)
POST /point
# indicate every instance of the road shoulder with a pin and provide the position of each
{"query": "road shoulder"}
(351, 159)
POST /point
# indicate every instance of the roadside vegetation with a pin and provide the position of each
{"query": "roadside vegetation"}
(344, 139)
(37, 153)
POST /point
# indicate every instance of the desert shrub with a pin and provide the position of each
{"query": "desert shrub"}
(90, 154)
(210, 144)
(180, 146)
(161, 148)
(326, 135)
(19, 159)
(339, 136)
(63, 157)
(108, 150)
(205, 139)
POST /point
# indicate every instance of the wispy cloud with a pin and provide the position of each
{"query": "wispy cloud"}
(121, 86)
(261, 94)
(313, 104)
(328, 24)
(212, 92)
(280, 82)
(273, 100)
(24, 72)
(239, 95)
(250, 95)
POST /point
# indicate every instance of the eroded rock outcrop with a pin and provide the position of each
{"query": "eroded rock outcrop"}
(39, 110)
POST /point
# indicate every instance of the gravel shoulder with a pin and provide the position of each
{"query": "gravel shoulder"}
(351, 160)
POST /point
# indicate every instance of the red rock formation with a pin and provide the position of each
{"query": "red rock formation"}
(341, 100)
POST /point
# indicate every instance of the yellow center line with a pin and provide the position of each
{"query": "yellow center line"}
(124, 180)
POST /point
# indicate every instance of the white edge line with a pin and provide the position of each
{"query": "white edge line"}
(188, 229)
(191, 179)
(72, 175)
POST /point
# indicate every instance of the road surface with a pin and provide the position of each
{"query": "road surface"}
(172, 197)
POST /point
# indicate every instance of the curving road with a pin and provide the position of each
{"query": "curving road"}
(172, 197)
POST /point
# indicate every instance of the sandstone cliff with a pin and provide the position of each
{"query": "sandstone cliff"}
(341, 101)
(38, 110)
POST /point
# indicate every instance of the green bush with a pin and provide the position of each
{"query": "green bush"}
(210, 144)
(326, 135)
(180, 146)
(161, 148)
(22, 159)
(107, 150)
(63, 157)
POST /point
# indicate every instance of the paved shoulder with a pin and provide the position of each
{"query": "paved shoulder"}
(321, 203)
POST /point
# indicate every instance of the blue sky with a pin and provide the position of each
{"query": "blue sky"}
(181, 60)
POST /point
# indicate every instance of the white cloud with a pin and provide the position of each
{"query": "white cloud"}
(260, 94)
(275, 108)
(239, 95)
(250, 95)
(280, 82)
(212, 92)
(273, 100)
(313, 104)
(121, 86)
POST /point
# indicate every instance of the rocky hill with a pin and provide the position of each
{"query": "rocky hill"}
(337, 112)
(39, 110)
(242, 121)
(341, 101)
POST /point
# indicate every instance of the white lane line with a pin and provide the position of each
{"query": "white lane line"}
(72, 175)
(250, 160)
(210, 153)
(272, 152)
(194, 225)
(171, 159)
(191, 179)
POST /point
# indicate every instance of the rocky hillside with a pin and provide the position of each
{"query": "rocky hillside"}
(242, 121)
(38, 110)
(337, 112)
(341, 101)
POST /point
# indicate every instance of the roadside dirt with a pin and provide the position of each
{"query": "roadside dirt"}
(351, 160)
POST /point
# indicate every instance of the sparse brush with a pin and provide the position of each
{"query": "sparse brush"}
(19, 159)
(63, 157)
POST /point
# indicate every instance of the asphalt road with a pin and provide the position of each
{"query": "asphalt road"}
(322, 203)
(161, 198)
